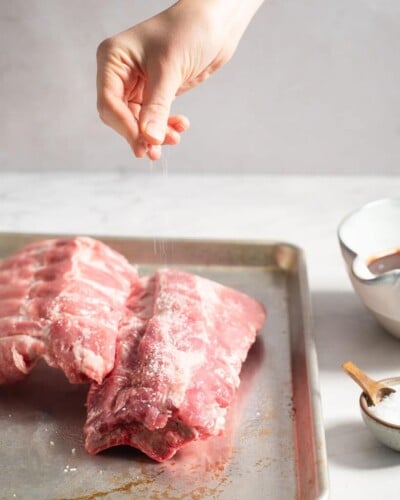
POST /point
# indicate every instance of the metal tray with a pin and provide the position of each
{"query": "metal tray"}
(274, 446)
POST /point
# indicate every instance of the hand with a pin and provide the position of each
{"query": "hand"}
(141, 70)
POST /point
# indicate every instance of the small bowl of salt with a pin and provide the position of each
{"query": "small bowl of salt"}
(383, 418)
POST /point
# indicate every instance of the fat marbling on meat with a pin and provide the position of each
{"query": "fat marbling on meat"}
(179, 354)
(62, 299)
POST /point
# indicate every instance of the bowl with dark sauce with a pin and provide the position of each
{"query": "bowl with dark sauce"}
(369, 240)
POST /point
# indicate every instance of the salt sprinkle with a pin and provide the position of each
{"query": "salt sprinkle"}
(9, 415)
(51, 443)
(70, 469)
(388, 409)
(73, 451)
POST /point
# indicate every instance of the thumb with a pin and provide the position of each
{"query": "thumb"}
(159, 92)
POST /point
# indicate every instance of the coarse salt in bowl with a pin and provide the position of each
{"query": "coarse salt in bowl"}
(388, 409)
(383, 419)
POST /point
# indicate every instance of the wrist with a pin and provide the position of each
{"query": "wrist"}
(222, 13)
(222, 7)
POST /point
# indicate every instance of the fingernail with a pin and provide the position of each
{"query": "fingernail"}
(155, 130)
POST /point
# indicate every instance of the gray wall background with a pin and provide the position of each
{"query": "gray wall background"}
(313, 88)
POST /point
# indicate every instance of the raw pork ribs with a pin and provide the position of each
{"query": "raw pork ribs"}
(179, 354)
(164, 352)
(63, 300)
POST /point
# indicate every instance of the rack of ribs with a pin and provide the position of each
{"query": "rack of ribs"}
(179, 353)
(62, 299)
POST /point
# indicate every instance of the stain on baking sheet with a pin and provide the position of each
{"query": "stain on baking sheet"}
(125, 488)
(167, 494)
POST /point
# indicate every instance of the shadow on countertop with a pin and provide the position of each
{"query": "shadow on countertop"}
(345, 330)
(351, 445)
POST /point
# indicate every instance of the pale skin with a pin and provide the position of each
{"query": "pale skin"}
(142, 69)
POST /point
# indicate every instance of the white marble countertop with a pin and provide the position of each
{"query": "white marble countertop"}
(300, 210)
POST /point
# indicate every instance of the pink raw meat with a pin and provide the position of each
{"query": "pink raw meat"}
(178, 359)
(62, 299)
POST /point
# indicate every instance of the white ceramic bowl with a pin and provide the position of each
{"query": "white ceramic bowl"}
(366, 234)
(385, 432)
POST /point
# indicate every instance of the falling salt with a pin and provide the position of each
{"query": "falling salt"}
(73, 451)
(9, 415)
(70, 469)
(388, 409)
(160, 244)
(51, 443)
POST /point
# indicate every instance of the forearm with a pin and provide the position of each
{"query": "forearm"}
(231, 15)
(225, 7)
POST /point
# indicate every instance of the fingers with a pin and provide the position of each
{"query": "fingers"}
(117, 115)
(172, 138)
(114, 111)
(176, 126)
(124, 117)
(154, 152)
(159, 92)
(180, 123)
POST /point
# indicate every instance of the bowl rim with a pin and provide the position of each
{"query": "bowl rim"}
(385, 278)
(349, 215)
(365, 407)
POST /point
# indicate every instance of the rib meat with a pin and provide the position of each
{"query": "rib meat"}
(62, 299)
(178, 359)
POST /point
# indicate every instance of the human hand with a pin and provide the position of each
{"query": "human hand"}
(142, 69)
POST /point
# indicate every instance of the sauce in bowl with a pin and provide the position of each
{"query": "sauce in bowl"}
(385, 262)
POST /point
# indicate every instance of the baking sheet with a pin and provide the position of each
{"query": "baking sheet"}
(274, 445)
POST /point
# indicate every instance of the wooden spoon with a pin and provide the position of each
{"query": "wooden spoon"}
(373, 389)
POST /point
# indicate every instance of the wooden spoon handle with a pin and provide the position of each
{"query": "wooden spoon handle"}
(366, 383)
